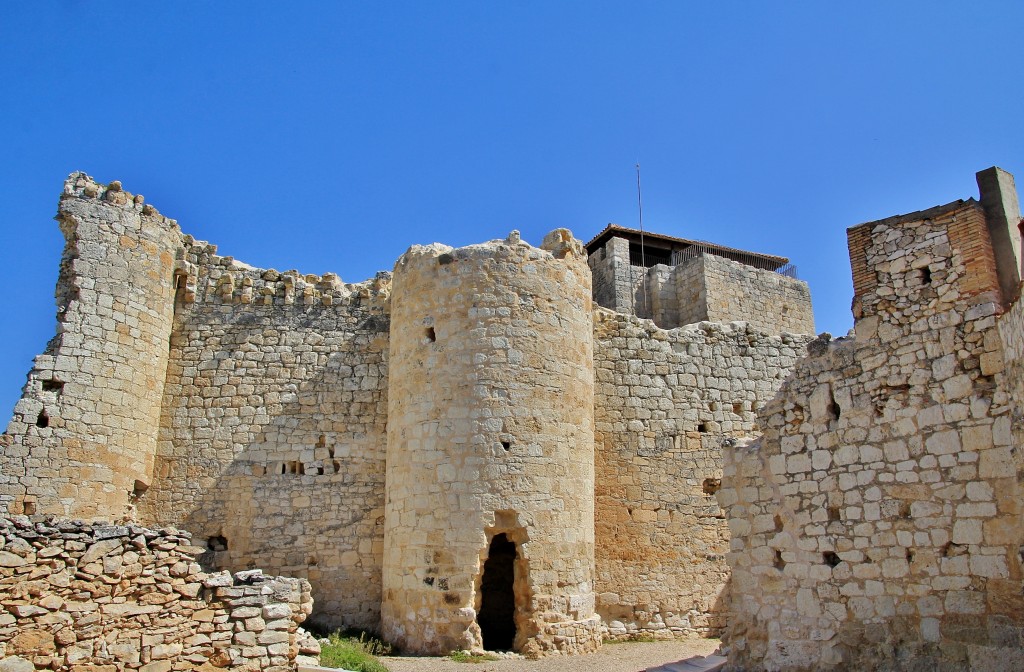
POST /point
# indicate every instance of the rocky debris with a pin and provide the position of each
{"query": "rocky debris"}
(92, 596)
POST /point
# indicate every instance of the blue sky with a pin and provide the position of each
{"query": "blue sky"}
(330, 136)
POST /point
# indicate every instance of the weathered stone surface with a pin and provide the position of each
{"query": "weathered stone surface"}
(490, 433)
(117, 619)
(900, 548)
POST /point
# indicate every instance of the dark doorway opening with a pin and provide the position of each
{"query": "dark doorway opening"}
(498, 600)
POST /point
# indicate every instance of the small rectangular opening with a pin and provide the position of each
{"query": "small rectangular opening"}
(648, 256)
(53, 386)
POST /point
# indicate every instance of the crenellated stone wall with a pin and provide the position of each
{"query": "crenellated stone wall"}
(877, 523)
(99, 597)
(272, 437)
(665, 403)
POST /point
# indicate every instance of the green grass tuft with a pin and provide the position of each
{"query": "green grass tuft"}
(631, 639)
(358, 654)
(467, 657)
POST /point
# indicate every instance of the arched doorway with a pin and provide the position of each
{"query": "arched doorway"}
(498, 601)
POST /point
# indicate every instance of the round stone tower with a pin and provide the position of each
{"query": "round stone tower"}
(489, 524)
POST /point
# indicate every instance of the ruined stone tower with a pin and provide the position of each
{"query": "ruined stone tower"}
(88, 421)
(491, 449)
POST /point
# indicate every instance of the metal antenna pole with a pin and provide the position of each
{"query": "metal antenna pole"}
(643, 253)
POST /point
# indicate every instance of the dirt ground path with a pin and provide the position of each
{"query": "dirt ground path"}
(627, 657)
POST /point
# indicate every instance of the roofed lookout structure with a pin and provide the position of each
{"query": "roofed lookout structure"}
(676, 281)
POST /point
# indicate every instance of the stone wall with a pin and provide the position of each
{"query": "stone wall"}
(272, 437)
(102, 598)
(766, 299)
(490, 435)
(665, 401)
(877, 523)
(615, 281)
(83, 436)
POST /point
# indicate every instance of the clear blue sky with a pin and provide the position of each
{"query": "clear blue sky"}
(330, 136)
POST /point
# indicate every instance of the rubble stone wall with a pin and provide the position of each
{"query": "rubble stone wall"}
(272, 438)
(102, 598)
(83, 437)
(877, 523)
(665, 401)
(491, 433)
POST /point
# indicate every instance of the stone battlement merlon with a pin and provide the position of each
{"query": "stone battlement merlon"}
(206, 276)
(81, 185)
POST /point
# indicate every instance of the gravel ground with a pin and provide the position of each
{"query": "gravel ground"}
(626, 657)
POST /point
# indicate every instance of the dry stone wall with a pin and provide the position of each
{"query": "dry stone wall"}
(83, 436)
(272, 437)
(877, 523)
(665, 402)
(106, 598)
(490, 434)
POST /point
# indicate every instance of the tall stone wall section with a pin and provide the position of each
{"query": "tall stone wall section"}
(665, 402)
(272, 437)
(614, 280)
(877, 523)
(765, 299)
(83, 436)
(491, 433)
(75, 596)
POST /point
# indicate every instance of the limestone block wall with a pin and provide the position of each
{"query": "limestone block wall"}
(83, 437)
(877, 523)
(662, 301)
(272, 437)
(665, 401)
(79, 596)
(691, 294)
(615, 281)
(490, 433)
(766, 299)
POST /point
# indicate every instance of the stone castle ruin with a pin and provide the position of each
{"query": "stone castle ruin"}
(504, 446)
